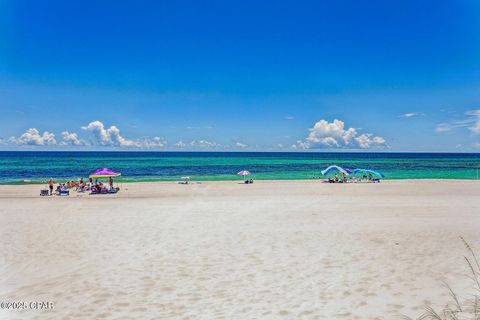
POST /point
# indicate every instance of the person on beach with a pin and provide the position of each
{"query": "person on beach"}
(51, 183)
(344, 177)
(110, 180)
(80, 185)
(97, 187)
(336, 177)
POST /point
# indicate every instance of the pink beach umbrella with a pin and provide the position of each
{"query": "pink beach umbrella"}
(104, 173)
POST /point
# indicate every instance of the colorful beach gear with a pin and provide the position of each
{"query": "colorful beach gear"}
(336, 168)
(374, 173)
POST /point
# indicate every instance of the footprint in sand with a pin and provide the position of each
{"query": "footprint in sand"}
(344, 314)
(121, 304)
(386, 286)
(103, 315)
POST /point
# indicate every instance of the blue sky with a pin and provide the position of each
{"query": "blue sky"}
(249, 75)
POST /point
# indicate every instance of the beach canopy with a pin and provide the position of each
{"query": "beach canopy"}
(244, 173)
(368, 171)
(336, 168)
(185, 178)
(104, 173)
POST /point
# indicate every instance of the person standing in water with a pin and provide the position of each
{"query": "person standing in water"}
(51, 183)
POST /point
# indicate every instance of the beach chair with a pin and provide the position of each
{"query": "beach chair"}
(95, 190)
(83, 189)
(44, 192)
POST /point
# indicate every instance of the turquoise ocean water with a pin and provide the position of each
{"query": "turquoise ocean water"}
(37, 167)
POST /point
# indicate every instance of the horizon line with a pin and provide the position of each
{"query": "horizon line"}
(245, 151)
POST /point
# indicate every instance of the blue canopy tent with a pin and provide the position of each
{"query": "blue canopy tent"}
(374, 173)
(336, 168)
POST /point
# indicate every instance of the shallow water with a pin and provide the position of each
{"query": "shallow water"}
(36, 167)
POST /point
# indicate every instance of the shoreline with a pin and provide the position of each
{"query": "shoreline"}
(234, 180)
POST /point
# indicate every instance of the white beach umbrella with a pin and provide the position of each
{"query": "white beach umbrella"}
(244, 173)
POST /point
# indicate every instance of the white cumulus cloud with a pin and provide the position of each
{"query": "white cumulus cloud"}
(33, 137)
(300, 145)
(368, 140)
(180, 144)
(156, 142)
(72, 139)
(111, 137)
(336, 135)
(204, 144)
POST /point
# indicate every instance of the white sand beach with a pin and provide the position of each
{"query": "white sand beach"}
(225, 250)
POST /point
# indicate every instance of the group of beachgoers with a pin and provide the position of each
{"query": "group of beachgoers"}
(342, 175)
(343, 179)
(94, 187)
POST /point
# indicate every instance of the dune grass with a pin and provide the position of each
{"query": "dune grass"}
(460, 307)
